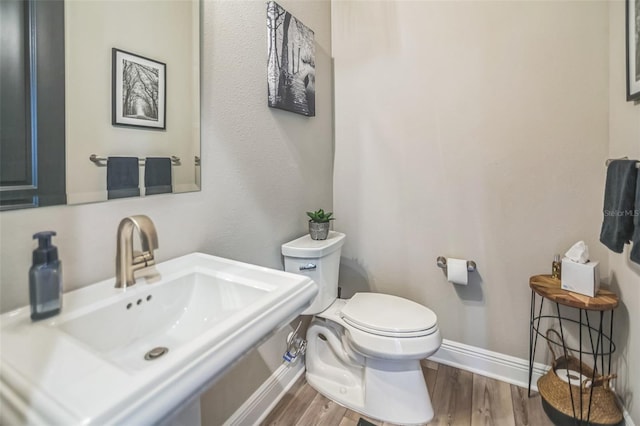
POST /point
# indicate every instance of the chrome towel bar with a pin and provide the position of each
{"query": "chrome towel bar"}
(606, 163)
(102, 161)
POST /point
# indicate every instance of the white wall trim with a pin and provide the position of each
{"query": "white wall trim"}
(625, 413)
(496, 366)
(490, 364)
(254, 410)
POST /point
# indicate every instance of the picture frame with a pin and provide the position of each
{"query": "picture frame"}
(138, 91)
(633, 49)
(291, 62)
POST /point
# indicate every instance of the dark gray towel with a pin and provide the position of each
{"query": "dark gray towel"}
(123, 176)
(157, 175)
(635, 249)
(619, 200)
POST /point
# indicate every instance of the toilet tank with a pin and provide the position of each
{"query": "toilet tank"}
(320, 261)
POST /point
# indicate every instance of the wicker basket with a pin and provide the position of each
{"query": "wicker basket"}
(558, 394)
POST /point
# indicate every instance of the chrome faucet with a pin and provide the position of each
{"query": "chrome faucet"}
(128, 260)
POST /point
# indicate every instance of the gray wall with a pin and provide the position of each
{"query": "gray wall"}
(474, 130)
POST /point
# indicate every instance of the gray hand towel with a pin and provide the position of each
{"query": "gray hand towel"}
(157, 175)
(635, 249)
(619, 199)
(123, 176)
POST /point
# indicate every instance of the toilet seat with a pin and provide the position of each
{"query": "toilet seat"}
(369, 341)
(387, 315)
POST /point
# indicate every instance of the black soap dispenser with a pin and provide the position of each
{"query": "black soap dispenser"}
(45, 278)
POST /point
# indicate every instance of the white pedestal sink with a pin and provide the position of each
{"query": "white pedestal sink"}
(88, 366)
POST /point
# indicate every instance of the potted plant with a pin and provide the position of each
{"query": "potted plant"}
(319, 224)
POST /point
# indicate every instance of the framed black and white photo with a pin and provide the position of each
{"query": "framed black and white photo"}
(291, 71)
(138, 91)
(633, 50)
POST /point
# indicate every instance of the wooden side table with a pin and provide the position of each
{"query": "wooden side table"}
(601, 343)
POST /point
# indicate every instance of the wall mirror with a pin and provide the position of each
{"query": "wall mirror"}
(143, 103)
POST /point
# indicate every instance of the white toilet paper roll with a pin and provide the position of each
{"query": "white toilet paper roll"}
(457, 271)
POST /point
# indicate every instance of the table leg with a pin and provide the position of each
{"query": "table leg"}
(533, 334)
(580, 355)
(599, 342)
(610, 341)
(531, 319)
(566, 355)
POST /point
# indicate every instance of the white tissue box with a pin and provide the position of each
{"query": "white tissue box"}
(582, 278)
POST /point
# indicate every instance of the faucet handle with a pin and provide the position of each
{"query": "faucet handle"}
(143, 259)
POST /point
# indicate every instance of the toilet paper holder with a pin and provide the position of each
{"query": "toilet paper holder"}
(442, 263)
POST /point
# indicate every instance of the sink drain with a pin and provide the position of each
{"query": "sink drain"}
(155, 353)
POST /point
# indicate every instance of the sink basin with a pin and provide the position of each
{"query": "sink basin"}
(133, 356)
(168, 316)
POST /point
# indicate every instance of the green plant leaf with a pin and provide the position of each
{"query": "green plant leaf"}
(319, 216)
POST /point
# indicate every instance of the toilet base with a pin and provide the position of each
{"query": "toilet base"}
(394, 397)
(393, 391)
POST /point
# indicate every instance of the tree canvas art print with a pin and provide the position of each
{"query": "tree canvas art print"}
(291, 62)
(138, 92)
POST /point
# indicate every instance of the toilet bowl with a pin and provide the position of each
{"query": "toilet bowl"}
(364, 353)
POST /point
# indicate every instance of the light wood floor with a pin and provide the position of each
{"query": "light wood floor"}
(459, 398)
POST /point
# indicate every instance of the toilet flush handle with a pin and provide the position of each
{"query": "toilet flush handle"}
(308, 267)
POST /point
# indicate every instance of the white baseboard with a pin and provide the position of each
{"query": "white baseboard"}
(488, 363)
(261, 402)
(496, 366)
(625, 414)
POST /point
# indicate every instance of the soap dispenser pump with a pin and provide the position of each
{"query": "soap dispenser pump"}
(45, 278)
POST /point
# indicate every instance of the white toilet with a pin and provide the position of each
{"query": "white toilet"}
(364, 352)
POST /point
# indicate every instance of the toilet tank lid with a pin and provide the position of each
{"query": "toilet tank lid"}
(305, 247)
